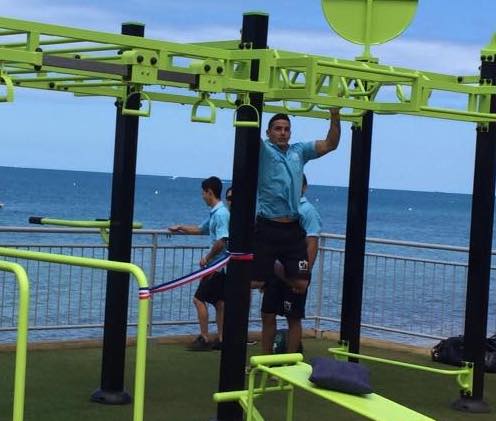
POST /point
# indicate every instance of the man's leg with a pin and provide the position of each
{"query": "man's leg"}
(219, 317)
(202, 310)
(269, 326)
(294, 334)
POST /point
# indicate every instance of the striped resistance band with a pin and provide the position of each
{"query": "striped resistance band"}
(214, 266)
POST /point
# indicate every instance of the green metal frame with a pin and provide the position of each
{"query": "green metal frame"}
(87, 63)
(464, 375)
(103, 226)
(143, 307)
(22, 337)
(292, 373)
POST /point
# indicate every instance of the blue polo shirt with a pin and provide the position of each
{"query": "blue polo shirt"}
(217, 224)
(309, 218)
(280, 178)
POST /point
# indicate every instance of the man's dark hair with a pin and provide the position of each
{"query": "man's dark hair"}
(213, 183)
(229, 190)
(278, 116)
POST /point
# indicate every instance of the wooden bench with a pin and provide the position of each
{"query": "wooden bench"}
(292, 373)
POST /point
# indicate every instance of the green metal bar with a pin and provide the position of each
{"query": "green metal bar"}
(85, 49)
(76, 223)
(139, 382)
(53, 41)
(103, 37)
(464, 375)
(342, 352)
(11, 32)
(22, 337)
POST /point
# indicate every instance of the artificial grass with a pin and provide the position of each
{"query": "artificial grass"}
(180, 385)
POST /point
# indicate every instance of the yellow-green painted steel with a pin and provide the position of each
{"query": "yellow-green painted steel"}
(22, 337)
(292, 373)
(9, 85)
(369, 21)
(464, 376)
(138, 113)
(143, 307)
(204, 102)
(72, 61)
(103, 226)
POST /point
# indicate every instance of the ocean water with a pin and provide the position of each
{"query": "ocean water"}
(160, 201)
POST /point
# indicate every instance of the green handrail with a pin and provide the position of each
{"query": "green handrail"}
(464, 376)
(22, 337)
(137, 272)
(102, 224)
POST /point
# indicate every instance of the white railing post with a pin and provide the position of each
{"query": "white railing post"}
(320, 285)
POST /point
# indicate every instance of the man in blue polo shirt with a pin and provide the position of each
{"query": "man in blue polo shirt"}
(279, 297)
(278, 234)
(211, 288)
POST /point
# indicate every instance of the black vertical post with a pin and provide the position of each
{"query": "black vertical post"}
(120, 238)
(356, 230)
(479, 260)
(244, 184)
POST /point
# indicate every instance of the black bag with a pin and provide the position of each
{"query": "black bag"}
(490, 359)
(450, 351)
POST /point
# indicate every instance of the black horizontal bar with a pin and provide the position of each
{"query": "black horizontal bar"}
(169, 76)
(86, 65)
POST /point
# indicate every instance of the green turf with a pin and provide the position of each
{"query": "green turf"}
(60, 382)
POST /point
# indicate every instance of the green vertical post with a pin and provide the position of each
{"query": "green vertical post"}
(22, 337)
(140, 369)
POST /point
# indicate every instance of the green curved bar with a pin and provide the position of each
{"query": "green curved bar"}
(22, 336)
(137, 272)
(138, 113)
(464, 375)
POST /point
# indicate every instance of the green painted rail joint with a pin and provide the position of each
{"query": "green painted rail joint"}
(143, 307)
(22, 337)
(464, 375)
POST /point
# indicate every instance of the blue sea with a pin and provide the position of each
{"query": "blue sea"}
(160, 201)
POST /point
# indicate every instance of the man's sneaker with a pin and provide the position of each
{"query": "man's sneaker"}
(200, 344)
(217, 344)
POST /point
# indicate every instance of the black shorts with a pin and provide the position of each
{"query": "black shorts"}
(281, 241)
(211, 288)
(280, 299)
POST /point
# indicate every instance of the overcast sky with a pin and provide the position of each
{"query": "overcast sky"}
(56, 130)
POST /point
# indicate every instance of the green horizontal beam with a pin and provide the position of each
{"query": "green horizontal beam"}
(222, 67)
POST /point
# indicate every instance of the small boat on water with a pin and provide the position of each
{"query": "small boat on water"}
(1, 205)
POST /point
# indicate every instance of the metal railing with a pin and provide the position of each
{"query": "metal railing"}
(413, 292)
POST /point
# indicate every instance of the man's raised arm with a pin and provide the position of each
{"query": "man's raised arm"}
(331, 142)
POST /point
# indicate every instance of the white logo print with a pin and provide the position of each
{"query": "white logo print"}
(287, 306)
(303, 265)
